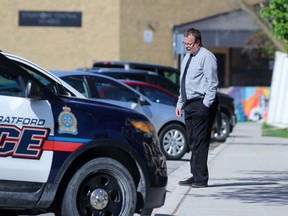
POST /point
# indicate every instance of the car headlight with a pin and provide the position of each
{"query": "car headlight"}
(143, 126)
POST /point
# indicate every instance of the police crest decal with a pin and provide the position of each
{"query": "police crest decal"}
(67, 122)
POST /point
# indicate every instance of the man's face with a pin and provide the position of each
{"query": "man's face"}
(190, 44)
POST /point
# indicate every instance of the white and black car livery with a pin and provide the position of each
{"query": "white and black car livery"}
(69, 155)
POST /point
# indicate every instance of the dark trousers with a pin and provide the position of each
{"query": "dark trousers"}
(199, 120)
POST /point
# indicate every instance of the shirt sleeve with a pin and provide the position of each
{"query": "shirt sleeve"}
(210, 73)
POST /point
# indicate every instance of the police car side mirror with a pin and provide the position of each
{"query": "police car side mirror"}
(33, 90)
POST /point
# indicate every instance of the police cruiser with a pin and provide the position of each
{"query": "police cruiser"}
(69, 155)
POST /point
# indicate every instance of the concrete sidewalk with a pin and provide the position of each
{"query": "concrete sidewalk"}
(248, 177)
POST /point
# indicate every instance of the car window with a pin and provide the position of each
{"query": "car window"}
(78, 82)
(144, 67)
(108, 89)
(53, 86)
(156, 95)
(172, 76)
(154, 79)
(170, 73)
(130, 76)
(11, 82)
(11, 85)
(163, 82)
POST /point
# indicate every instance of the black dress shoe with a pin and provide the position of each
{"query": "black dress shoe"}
(187, 182)
(199, 185)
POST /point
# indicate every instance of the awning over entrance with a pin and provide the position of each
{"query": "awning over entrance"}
(224, 30)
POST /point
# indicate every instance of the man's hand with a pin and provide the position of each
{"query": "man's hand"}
(178, 112)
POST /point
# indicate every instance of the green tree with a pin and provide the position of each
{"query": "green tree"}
(276, 13)
(264, 22)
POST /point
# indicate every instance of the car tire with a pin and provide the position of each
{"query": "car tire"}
(173, 141)
(220, 133)
(103, 179)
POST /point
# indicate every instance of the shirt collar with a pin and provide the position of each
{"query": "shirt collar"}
(195, 53)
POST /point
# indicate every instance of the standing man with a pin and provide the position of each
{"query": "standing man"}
(198, 99)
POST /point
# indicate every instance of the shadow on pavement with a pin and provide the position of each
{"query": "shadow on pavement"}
(271, 188)
(162, 215)
(241, 184)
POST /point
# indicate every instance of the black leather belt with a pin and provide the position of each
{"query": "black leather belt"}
(193, 100)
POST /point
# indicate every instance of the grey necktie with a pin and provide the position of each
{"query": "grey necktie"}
(183, 88)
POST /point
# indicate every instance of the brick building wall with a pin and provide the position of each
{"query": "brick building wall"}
(110, 30)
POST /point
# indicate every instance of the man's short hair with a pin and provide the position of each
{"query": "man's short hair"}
(196, 33)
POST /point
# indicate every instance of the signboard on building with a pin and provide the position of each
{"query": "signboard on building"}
(50, 18)
(148, 36)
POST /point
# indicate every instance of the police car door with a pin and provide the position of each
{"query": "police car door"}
(25, 123)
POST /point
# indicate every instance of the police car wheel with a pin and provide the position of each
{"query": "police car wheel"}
(173, 141)
(102, 186)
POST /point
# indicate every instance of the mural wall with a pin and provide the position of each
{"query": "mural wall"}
(251, 103)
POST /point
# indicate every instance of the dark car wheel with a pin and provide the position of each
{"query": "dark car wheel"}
(173, 141)
(102, 186)
(221, 131)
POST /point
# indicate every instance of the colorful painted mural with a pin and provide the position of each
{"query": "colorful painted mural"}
(251, 103)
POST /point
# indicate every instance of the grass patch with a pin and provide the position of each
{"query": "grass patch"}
(269, 130)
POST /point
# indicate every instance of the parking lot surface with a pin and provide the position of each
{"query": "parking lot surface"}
(248, 176)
